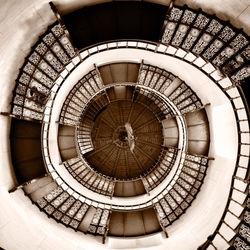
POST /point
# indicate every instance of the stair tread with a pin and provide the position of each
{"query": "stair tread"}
(199, 132)
(198, 147)
(129, 188)
(171, 88)
(84, 225)
(39, 193)
(37, 184)
(197, 117)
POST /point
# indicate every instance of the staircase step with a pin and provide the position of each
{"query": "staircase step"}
(150, 221)
(175, 84)
(37, 184)
(139, 187)
(170, 132)
(197, 117)
(199, 132)
(39, 193)
(68, 153)
(84, 225)
(133, 224)
(116, 226)
(198, 147)
(119, 72)
(129, 188)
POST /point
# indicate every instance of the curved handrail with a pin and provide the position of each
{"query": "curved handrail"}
(245, 105)
(89, 54)
(219, 83)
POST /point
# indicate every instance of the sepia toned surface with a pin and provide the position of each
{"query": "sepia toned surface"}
(112, 154)
(219, 130)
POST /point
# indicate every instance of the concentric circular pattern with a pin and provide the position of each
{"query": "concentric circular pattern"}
(120, 132)
(127, 139)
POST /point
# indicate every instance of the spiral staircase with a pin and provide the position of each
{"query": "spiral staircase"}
(116, 129)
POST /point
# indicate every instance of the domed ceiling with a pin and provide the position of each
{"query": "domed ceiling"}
(125, 144)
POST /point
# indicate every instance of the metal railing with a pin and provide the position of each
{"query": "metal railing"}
(213, 74)
(207, 68)
(227, 229)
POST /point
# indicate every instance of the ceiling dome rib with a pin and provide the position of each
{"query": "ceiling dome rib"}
(232, 49)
